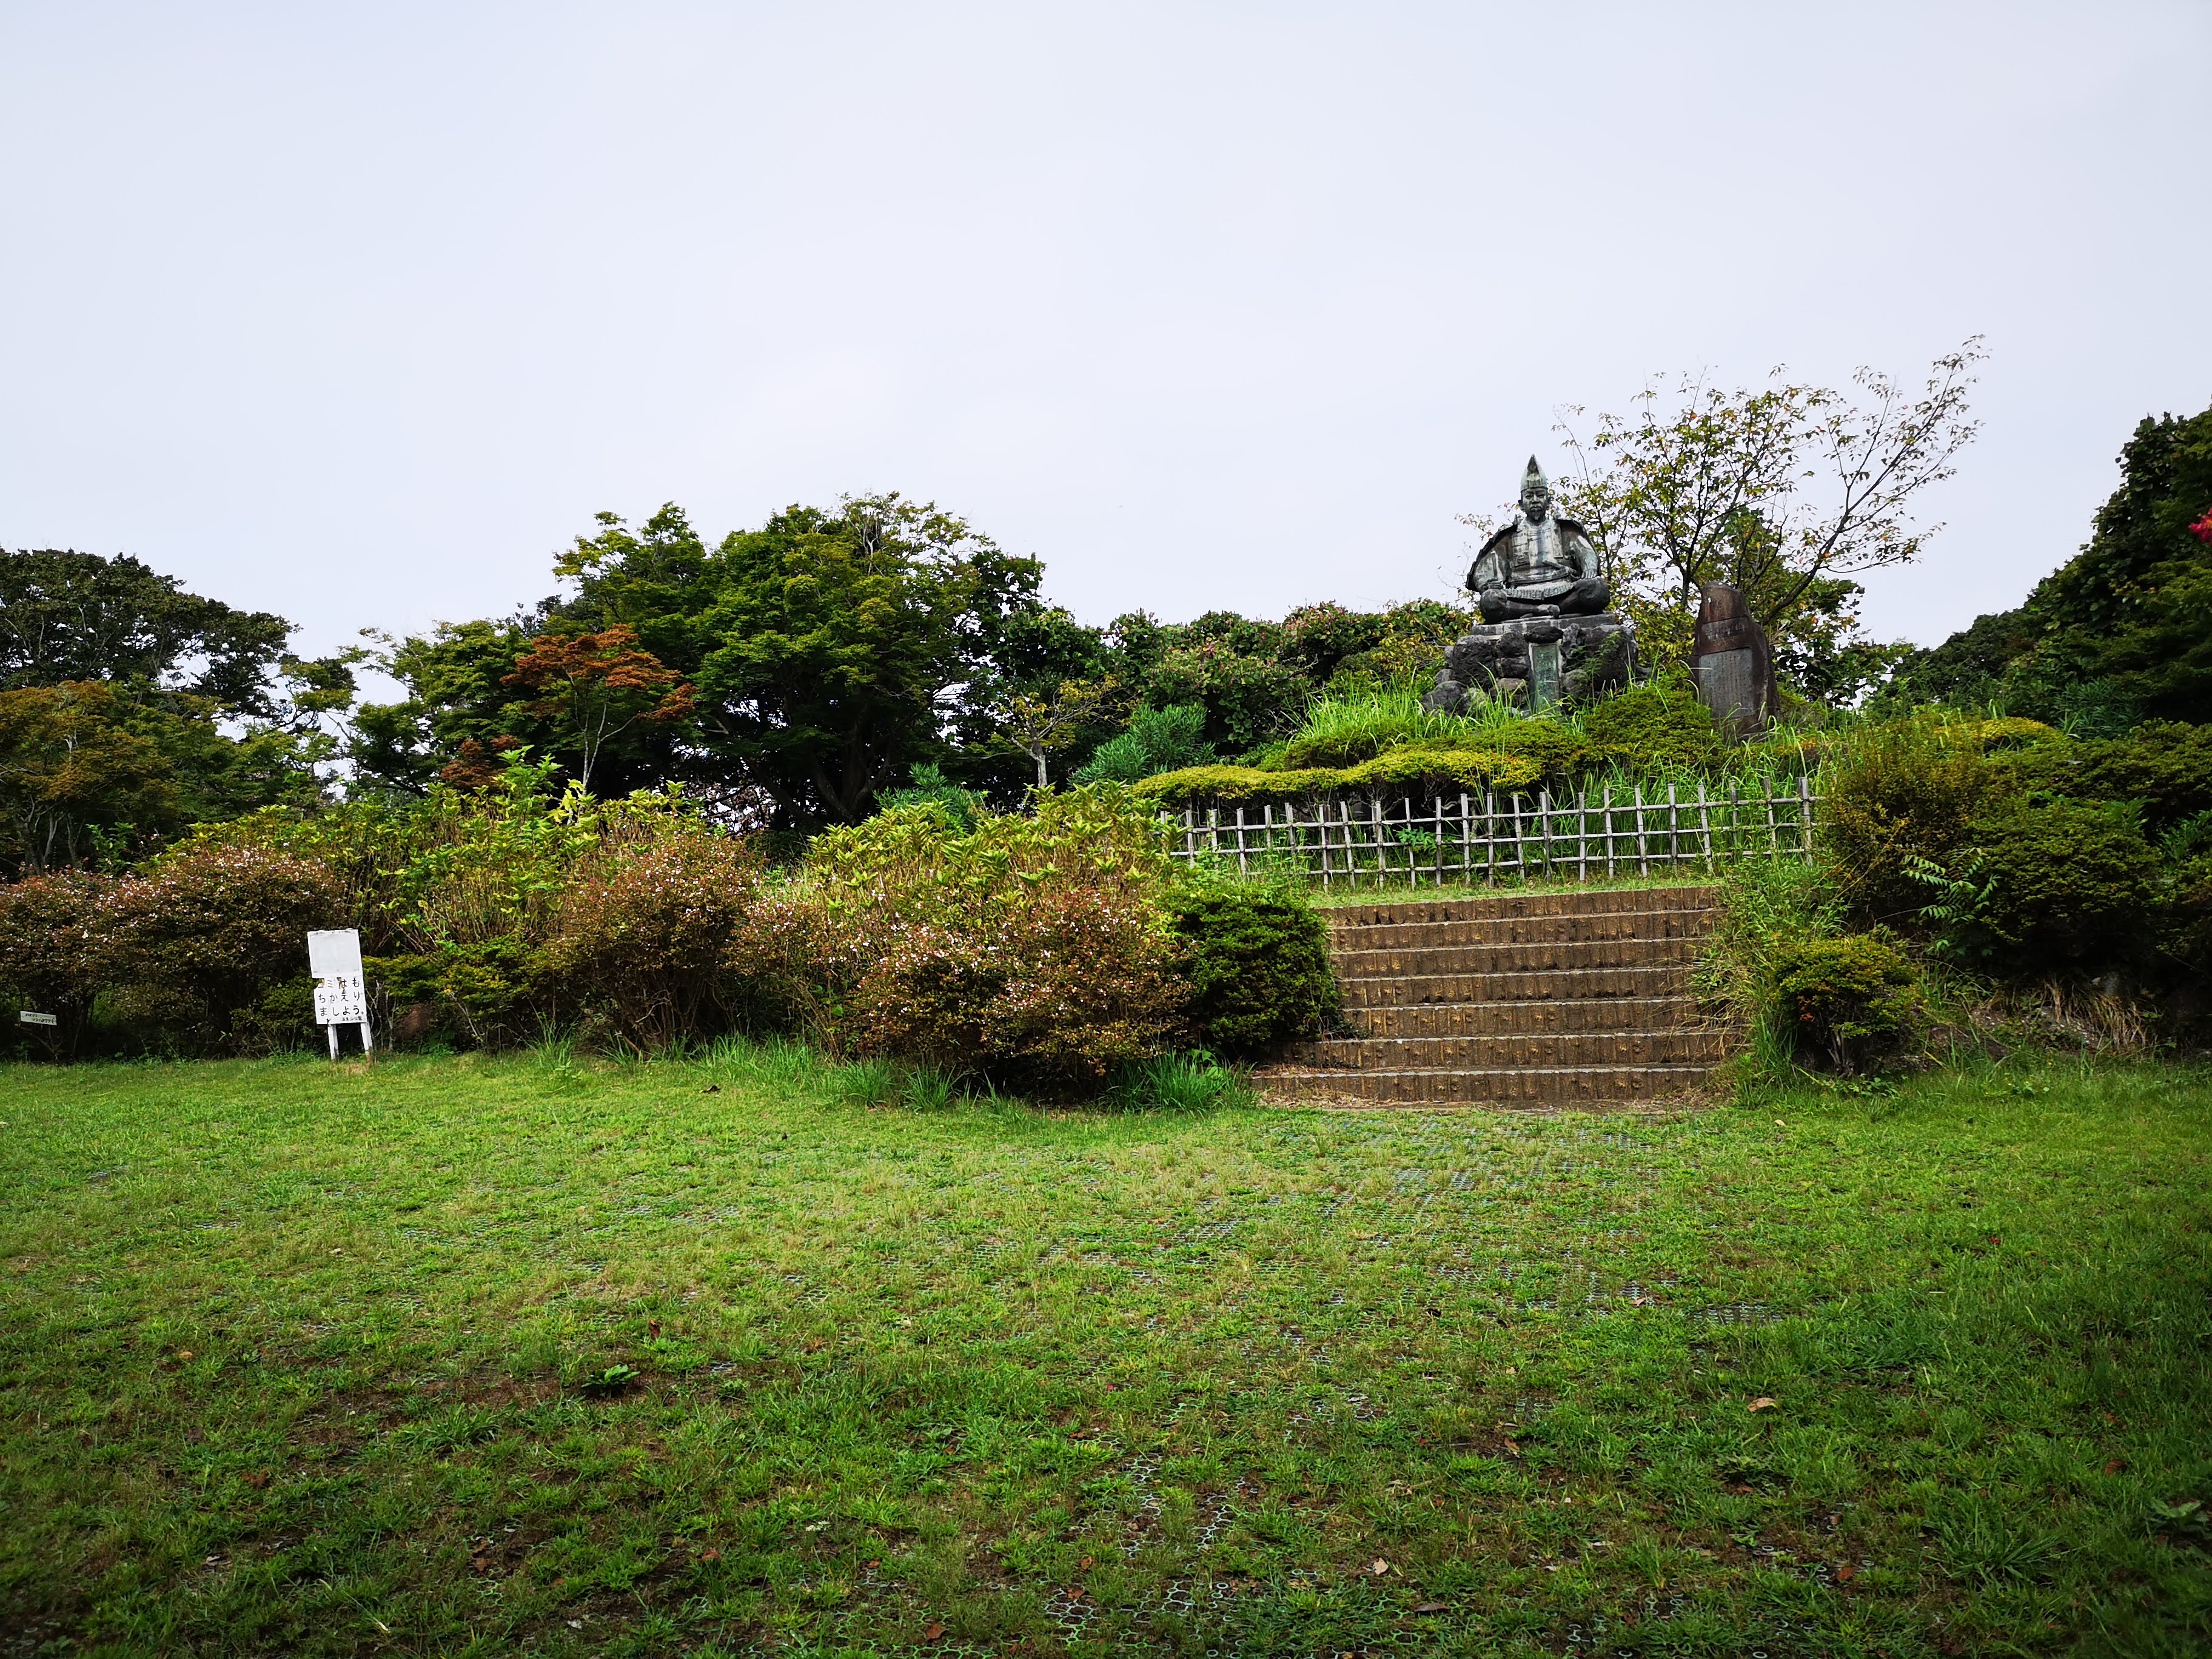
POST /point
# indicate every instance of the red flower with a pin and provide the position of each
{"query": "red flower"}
(2202, 528)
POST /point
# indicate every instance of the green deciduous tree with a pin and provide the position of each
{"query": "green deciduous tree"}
(74, 779)
(842, 643)
(2122, 631)
(69, 615)
(1786, 493)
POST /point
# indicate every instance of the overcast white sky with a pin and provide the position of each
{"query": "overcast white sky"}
(358, 313)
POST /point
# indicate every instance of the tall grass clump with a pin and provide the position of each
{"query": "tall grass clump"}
(1180, 1083)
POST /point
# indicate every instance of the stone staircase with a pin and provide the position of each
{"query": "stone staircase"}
(1531, 1001)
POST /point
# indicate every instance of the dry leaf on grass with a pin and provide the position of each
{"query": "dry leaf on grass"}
(1761, 1404)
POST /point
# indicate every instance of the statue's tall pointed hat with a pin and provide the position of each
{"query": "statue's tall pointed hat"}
(1534, 475)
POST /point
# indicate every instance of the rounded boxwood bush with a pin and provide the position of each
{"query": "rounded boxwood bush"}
(1259, 976)
(2051, 884)
(1660, 724)
(1853, 1004)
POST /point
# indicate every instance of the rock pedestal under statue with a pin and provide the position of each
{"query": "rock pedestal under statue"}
(1536, 662)
(1733, 662)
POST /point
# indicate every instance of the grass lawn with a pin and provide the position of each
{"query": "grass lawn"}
(450, 1356)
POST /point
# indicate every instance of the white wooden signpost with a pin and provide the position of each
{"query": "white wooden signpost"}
(341, 993)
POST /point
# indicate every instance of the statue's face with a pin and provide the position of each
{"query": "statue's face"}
(1535, 500)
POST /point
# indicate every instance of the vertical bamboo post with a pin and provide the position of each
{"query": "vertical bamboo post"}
(1673, 827)
(1642, 846)
(1773, 831)
(1706, 826)
(1805, 814)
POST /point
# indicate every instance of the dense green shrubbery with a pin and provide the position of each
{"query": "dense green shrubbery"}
(1033, 949)
(1852, 1004)
(1383, 742)
(1258, 974)
(653, 931)
(2049, 885)
(1158, 740)
(204, 931)
(1417, 772)
(1903, 802)
(2021, 853)
(52, 957)
(2165, 768)
(1661, 724)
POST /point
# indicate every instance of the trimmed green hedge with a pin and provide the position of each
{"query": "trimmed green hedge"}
(1852, 1004)
(1417, 770)
(1259, 976)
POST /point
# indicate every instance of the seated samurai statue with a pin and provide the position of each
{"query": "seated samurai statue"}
(1540, 565)
(1545, 637)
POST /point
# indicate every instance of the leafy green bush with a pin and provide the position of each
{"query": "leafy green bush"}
(644, 930)
(1158, 740)
(931, 785)
(280, 1020)
(1259, 974)
(1035, 948)
(205, 930)
(2164, 767)
(2050, 883)
(1660, 724)
(1903, 801)
(496, 994)
(1854, 1003)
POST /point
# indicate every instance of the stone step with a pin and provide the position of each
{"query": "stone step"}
(1531, 957)
(1416, 990)
(1490, 1051)
(1557, 1014)
(1438, 932)
(1570, 902)
(1526, 1086)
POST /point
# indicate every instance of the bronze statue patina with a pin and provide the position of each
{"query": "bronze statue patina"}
(1545, 637)
(1540, 565)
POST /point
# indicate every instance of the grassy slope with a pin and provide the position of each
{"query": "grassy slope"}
(293, 1360)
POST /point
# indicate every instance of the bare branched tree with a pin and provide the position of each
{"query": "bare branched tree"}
(1786, 492)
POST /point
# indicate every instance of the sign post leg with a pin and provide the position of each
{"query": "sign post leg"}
(333, 1031)
(367, 1047)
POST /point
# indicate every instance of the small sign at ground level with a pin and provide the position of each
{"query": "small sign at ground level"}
(340, 991)
(30, 1018)
(343, 1001)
